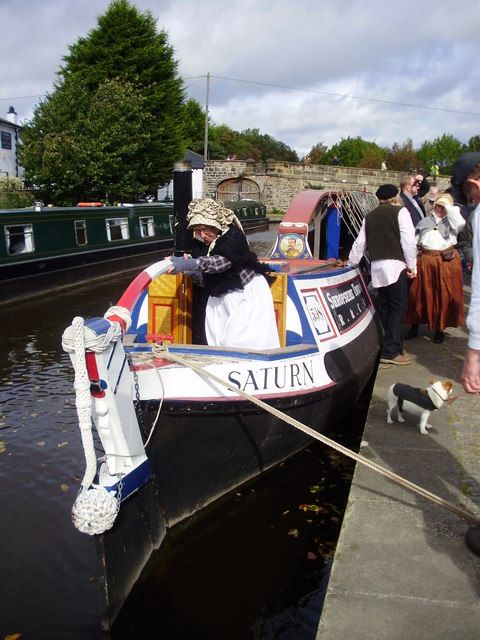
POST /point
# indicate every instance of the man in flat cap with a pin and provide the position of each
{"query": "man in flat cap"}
(387, 233)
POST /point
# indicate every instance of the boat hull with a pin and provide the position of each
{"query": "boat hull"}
(201, 450)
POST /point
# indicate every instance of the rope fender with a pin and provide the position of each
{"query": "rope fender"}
(95, 509)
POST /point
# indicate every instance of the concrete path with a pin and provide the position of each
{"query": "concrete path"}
(402, 570)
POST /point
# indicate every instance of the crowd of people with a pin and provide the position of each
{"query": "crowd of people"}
(419, 242)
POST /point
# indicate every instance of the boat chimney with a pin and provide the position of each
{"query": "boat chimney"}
(182, 196)
(12, 115)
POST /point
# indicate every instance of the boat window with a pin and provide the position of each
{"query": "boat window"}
(117, 229)
(81, 232)
(147, 228)
(19, 239)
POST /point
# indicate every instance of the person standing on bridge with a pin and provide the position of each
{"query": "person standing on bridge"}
(387, 233)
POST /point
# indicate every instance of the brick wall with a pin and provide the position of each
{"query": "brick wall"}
(279, 182)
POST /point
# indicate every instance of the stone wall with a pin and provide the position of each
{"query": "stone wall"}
(279, 182)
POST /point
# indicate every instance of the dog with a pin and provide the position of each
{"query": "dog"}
(418, 402)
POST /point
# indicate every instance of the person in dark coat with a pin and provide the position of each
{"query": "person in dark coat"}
(239, 310)
(409, 190)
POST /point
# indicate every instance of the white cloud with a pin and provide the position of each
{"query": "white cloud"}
(411, 52)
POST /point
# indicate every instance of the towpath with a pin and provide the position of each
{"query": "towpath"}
(402, 569)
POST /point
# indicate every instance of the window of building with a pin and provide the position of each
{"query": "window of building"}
(6, 140)
(147, 228)
(19, 239)
(117, 229)
(81, 232)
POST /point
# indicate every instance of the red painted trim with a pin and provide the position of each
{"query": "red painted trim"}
(134, 291)
(92, 371)
(115, 318)
(304, 205)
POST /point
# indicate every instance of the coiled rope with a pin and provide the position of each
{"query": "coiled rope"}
(458, 510)
(95, 509)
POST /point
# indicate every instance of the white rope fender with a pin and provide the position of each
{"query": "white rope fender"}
(95, 509)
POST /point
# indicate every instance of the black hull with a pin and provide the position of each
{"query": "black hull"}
(36, 278)
(201, 451)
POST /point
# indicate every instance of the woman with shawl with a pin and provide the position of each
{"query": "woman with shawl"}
(239, 310)
(436, 295)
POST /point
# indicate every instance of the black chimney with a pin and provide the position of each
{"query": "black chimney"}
(182, 196)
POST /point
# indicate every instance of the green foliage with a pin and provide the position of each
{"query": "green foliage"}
(193, 126)
(10, 195)
(250, 143)
(473, 144)
(317, 154)
(351, 152)
(113, 123)
(402, 157)
(10, 184)
(444, 150)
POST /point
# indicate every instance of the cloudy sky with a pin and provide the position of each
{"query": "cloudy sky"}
(303, 71)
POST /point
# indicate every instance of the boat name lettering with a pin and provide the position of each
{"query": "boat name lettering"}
(347, 302)
(294, 375)
(340, 299)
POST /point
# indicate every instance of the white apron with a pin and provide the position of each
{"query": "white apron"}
(244, 319)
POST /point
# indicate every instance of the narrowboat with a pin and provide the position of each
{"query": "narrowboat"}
(43, 248)
(175, 419)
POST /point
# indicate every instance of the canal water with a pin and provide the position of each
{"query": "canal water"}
(253, 566)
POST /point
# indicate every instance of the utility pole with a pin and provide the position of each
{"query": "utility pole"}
(205, 143)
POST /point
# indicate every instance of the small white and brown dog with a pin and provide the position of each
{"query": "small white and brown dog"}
(418, 402)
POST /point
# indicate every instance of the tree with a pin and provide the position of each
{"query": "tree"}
(473, 144)
(193, 126)
(113, 122)
(444, 150)
(250, 143)
(351, 151)
(268, 147)
(317, 154)
(402, 157)
(11, 196)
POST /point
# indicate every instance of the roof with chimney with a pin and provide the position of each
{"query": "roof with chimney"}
(11, 124)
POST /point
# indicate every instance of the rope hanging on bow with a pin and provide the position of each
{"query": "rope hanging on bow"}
(95, 509)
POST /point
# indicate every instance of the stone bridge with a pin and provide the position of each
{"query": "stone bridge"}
(276, 183)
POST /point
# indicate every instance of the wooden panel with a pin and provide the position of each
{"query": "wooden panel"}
(279, 295)
(170, 307)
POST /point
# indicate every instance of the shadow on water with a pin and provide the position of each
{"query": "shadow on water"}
(256, 564)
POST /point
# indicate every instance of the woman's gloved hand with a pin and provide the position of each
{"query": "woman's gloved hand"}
(183, 264)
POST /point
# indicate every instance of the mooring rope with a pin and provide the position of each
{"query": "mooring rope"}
(163, 351)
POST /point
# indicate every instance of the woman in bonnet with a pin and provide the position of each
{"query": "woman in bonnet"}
(239, 310)
(436, 295)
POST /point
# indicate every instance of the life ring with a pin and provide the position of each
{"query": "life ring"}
(90, 204)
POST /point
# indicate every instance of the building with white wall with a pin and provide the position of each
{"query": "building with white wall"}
(9, 140)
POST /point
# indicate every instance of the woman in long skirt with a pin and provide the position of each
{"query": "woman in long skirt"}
(436, 295)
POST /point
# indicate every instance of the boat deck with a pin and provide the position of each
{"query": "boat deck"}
(402, 569)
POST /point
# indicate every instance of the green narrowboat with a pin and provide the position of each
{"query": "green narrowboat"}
(55, 247)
